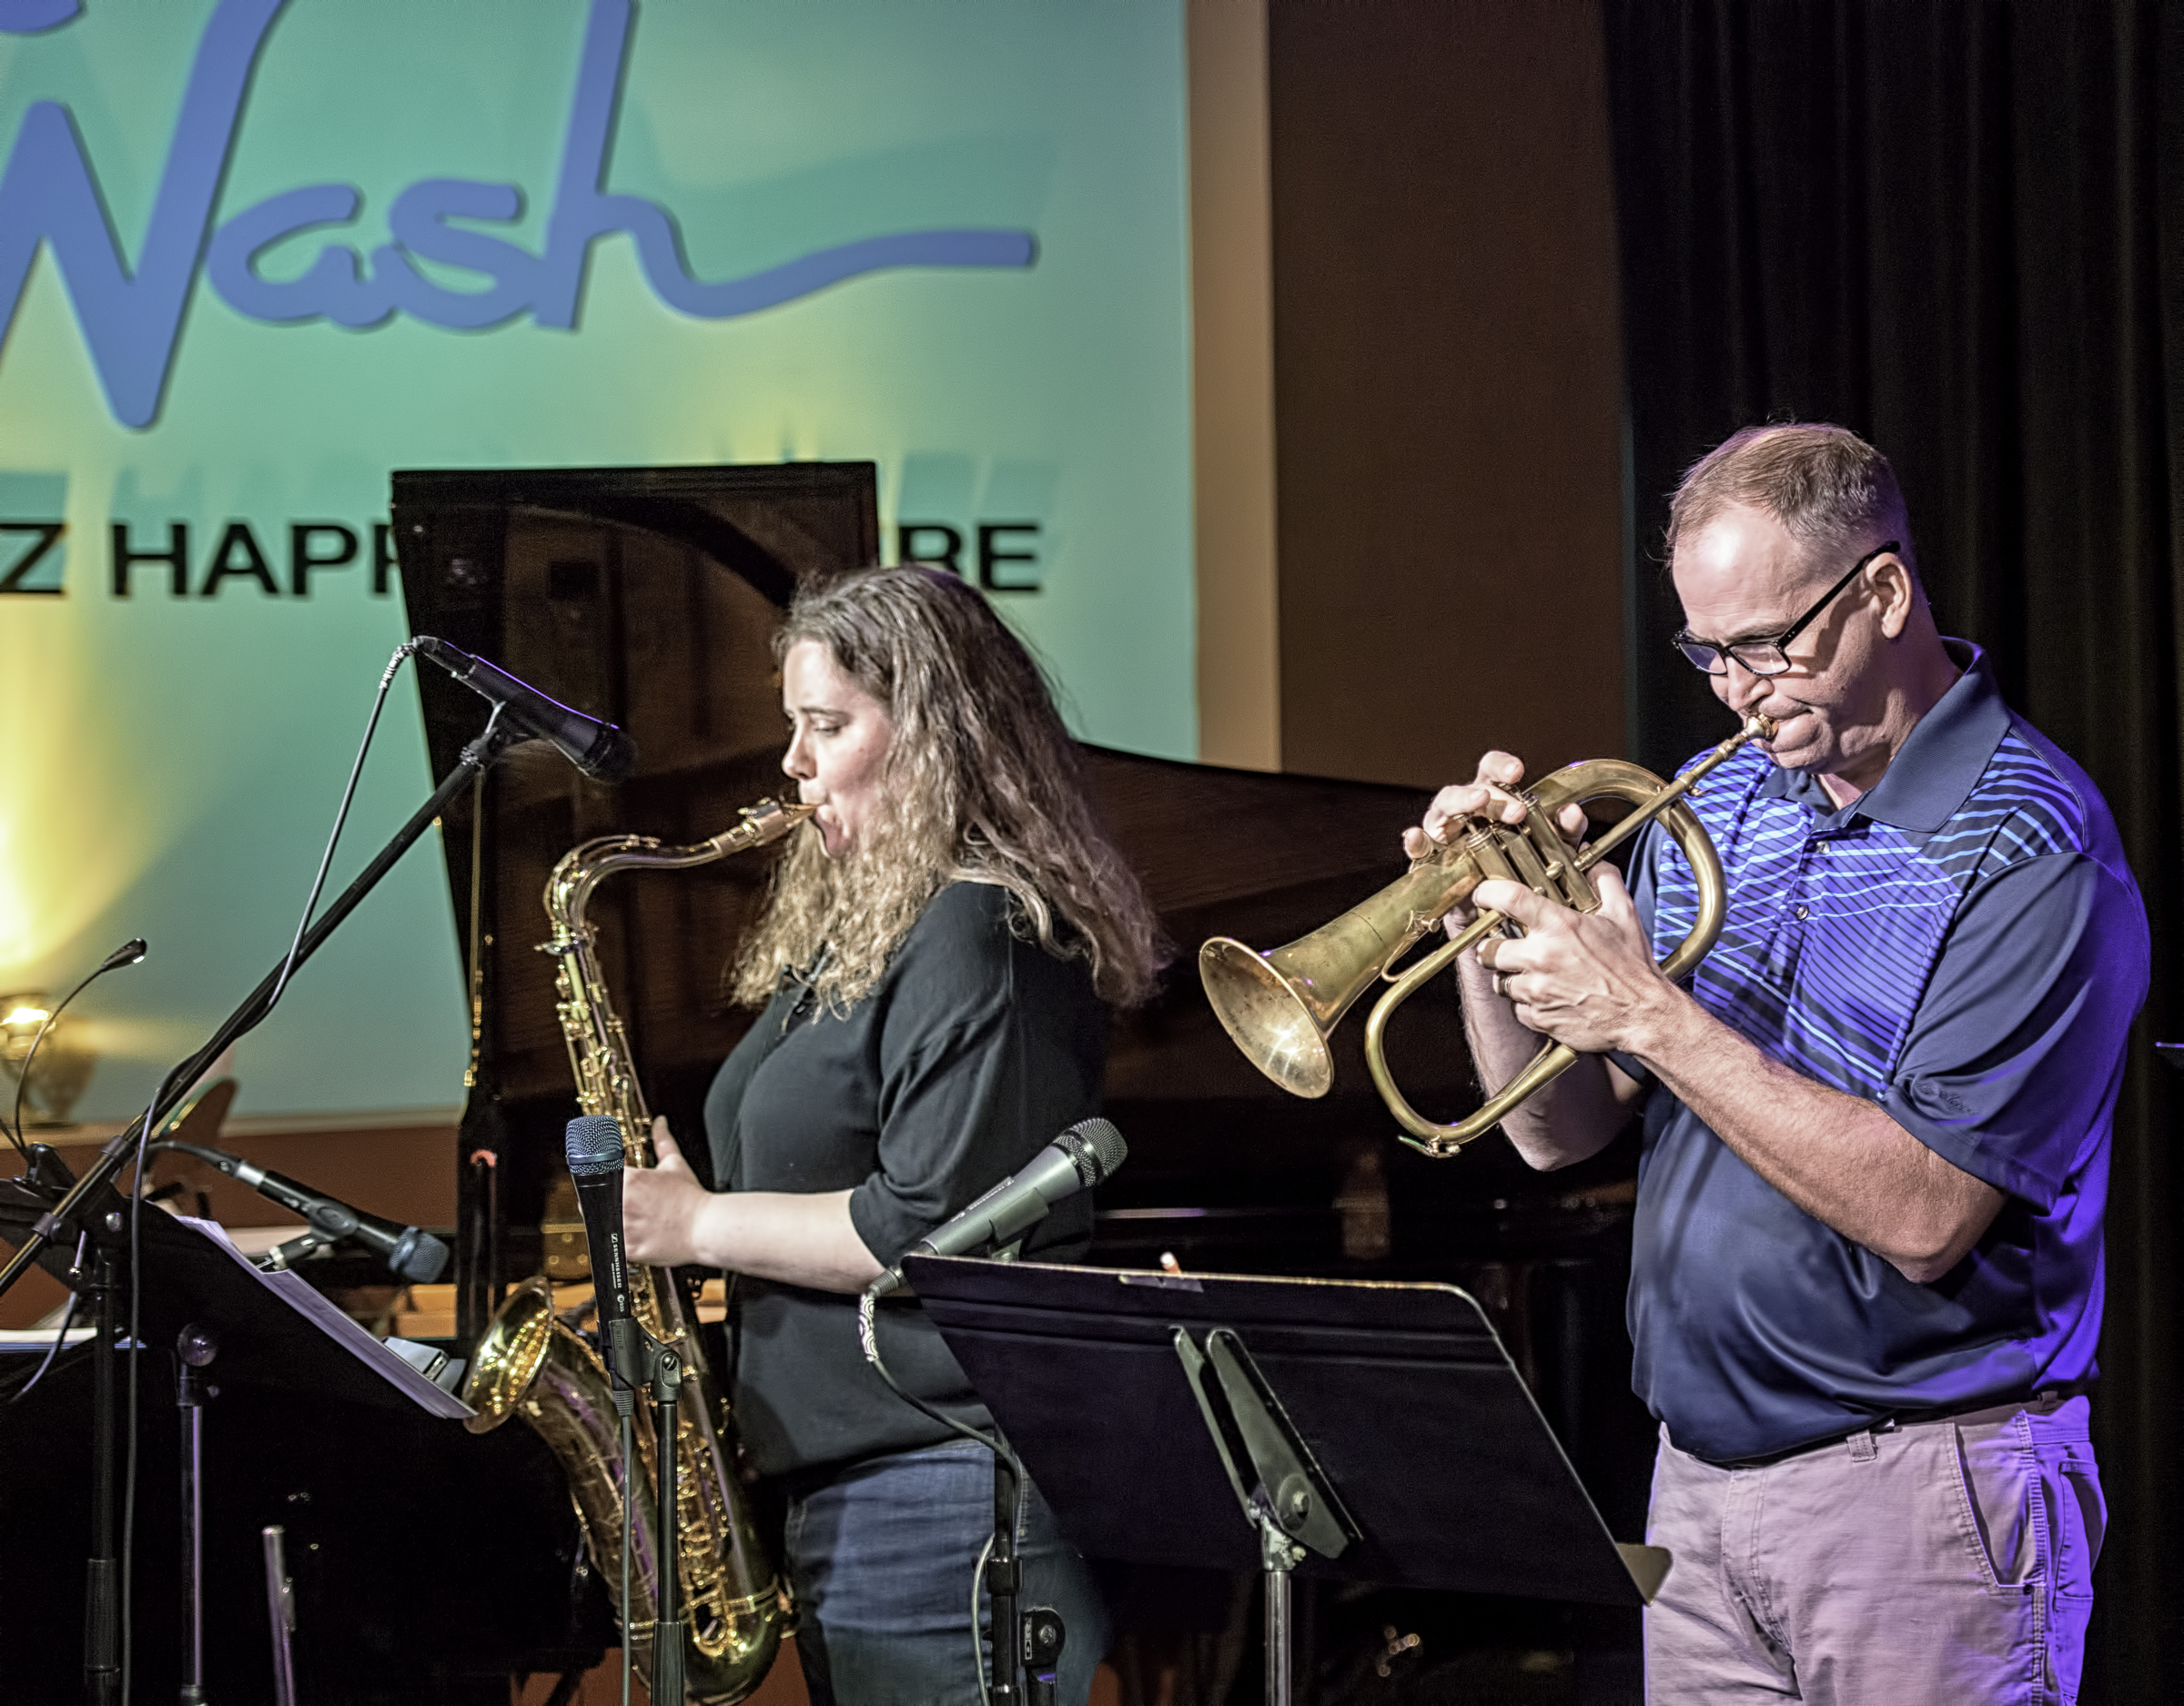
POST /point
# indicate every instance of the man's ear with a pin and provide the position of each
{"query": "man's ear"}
(1898, 593)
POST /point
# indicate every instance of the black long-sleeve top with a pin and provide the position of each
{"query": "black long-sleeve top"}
(977, 1049)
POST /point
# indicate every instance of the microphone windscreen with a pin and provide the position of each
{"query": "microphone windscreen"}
(1096, 1149)
(418, 1256)
(612, 756)
(127, 953)
(593, 1144)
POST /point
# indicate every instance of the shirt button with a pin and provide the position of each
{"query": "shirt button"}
(1804, 911)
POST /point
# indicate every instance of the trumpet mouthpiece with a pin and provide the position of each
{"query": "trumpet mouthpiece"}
(1759, 728)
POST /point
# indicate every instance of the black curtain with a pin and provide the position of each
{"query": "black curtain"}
(1956, 227)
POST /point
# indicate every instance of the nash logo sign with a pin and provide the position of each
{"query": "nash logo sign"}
(132, 317)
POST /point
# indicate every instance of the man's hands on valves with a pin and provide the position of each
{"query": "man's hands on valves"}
(1587, 979)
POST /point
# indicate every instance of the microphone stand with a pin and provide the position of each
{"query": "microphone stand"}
(194, 1353)
(663, 1368)
(73, 1213)
(102, 1571)
(1004, 1585)
(476, 757)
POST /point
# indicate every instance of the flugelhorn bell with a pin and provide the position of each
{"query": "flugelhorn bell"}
(1278, 1007)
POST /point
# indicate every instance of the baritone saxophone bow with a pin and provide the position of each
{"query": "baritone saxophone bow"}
(1279, 1007)
(532, 1363)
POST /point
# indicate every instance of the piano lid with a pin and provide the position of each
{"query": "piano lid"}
(647, 597)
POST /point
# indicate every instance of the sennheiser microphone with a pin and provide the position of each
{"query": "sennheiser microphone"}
(593, 1146)
(1078, 1159)
(414, 1255)
(598, 749)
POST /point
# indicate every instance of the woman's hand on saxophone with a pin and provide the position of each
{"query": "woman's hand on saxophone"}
(662, 1206)
(670, 1220)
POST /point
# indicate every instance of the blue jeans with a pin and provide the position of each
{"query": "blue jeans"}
(882, 1558)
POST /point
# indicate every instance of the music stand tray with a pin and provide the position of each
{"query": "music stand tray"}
(1403, 1414)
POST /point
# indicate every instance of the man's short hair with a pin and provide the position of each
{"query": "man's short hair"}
(1831, 491)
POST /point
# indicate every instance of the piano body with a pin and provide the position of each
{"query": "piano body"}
(433, 1562)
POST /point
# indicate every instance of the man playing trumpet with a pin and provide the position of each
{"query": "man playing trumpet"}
(1866, 1274)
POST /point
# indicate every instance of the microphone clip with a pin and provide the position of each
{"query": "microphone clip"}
(635, 1359)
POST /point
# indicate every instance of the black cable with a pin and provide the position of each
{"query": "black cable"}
(52, 1350)
(326, 859)
(868, 1336)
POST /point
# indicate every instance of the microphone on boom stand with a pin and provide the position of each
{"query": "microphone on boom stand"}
(599, 749)
(414, 1255)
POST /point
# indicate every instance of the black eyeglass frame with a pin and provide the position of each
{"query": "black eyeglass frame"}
(1683, 640)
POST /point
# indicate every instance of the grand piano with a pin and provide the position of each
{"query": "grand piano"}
(647, 597)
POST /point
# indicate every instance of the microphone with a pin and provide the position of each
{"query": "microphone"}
(415, 1255)
(598, 749)
(593, 1146)
(127, 953)
(1078, 1159)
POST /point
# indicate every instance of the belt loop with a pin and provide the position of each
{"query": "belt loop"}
(1862, 1447)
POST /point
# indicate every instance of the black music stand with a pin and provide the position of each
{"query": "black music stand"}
(1379, 1429)
(274, 1329)
(269, 1329)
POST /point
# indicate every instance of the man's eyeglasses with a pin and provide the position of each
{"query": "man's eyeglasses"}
(1771, 656)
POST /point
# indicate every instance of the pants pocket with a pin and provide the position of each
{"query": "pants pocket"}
(2078, 1521)
(1998, 1483)
(2078, 1518)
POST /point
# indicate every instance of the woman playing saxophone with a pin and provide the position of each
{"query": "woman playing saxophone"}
(933, 965)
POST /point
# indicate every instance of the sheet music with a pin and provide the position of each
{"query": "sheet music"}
(299, 1295)
(42, 1337)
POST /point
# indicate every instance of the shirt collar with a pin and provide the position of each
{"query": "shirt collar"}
(1934, 769)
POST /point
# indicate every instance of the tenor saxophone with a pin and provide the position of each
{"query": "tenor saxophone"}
(533, 1364)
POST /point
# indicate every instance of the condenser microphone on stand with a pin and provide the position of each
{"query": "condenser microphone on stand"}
(416, 1256)
(127, 953)
(597, 748)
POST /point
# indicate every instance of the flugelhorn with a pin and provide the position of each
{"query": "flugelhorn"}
(1278, 1007)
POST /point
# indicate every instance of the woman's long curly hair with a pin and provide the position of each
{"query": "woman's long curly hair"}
(981, 784)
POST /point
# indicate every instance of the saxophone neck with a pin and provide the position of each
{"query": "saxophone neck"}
(768, 820)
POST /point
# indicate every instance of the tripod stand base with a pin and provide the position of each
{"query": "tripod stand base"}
(102, 1632)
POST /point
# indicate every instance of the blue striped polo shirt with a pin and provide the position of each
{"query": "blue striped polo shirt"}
(1964, 946)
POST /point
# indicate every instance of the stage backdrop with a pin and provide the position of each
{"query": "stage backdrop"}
(254, 255)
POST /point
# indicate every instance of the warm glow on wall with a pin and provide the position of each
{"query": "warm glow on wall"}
(185, 666)
(68, 850)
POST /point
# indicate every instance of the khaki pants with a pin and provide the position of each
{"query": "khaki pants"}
(1940, 1562)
